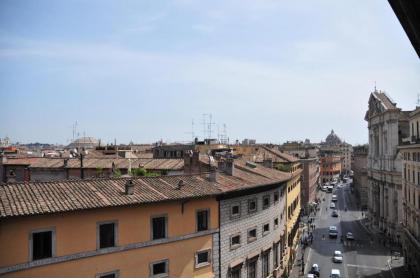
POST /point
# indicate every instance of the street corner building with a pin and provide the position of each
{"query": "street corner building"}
(232, 221)
(410, 153)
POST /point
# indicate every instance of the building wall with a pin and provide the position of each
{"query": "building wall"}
(384, 171)
(76, 236)
(360, 179)
(41, 174)
(410, 154)
(293, 207)
(330, 168)
(310, 177)
(231, 226)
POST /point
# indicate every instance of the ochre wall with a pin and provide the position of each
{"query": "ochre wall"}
(76, 232)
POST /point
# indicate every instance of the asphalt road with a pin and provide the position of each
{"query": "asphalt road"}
(363, 257)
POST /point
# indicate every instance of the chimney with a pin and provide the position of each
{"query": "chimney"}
(192, 162)
(180, 184)
(213, 174)
(268, 162)
(129, 187)
(227, 166)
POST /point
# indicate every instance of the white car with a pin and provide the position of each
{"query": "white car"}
(338, 257)
(335, 273)
(310, 275)
(332, 205)
(349, 236)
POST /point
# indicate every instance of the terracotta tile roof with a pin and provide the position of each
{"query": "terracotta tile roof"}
(22, 199)
(33, 198)
(106, 163)
(285, 156)
(275, 155)
(245, 176)
(20, 161)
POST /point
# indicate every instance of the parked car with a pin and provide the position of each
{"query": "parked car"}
(315, 270)
(338, 256)
(334, 213)
(310, 275)
(335, 273)
(349, 236)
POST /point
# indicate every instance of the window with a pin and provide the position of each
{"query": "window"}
(266, 229)
(202, 258)
(107, 234)
(276, 255)
(252, 234)
(265, 264)
(159, 228)
(42, 244)
(235, 241)
(111, 274)
(235, 210)
(252, 268)
(159, 269)
(202, 220)
(266, 201)
(276, 223)
(252, 205)
(276, 197)
(235, 272)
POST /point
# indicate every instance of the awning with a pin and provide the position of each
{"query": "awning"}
(236, 263)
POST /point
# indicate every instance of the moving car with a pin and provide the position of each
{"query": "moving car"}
(334, 198)
(334, 213)
(349, 236)
(315, 270)
(329, 189)
(338, 256)
(332, 231)
(335, 273)
(310, 275)
(332, 205)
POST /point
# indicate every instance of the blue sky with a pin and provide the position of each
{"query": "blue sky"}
(142, 70)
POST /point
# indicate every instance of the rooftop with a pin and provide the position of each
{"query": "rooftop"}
(22, 199)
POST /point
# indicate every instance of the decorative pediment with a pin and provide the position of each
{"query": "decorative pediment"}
(375, 107)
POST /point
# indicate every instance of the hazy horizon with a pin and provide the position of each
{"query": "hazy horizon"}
(270, 70)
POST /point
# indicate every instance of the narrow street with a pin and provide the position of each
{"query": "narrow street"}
(365, 256)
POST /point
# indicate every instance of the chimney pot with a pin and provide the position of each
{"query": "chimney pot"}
(129, 187)
(180, 184)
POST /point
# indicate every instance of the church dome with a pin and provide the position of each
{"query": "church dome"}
(333, 139)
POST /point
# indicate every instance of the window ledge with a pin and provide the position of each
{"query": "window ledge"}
(252, 239)
(234, 247)
(201, 265)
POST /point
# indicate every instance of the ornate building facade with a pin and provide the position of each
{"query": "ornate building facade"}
(387, 126)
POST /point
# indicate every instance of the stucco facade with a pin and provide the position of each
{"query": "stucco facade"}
(76, 250)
